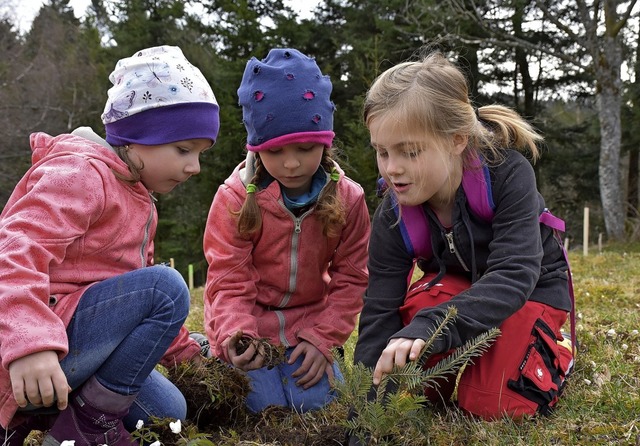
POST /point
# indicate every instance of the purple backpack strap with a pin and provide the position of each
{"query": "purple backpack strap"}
(477, 187)
(414, 227)
(558, 226)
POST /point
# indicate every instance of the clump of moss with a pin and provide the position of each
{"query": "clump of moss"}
(215, 391)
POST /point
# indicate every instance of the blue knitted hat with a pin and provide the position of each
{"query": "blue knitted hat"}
(285, 99)
(159, 97)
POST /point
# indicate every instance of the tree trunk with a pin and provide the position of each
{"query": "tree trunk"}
(609, 106)
(632, 183)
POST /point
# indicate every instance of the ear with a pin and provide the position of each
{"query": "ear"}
(459, 143)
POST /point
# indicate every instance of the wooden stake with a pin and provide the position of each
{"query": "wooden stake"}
(585, 233)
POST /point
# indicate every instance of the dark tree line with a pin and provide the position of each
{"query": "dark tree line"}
(54, 78)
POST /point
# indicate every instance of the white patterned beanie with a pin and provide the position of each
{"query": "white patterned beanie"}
(159, 97)
(285, 99)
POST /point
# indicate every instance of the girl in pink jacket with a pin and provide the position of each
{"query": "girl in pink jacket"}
(86, 316)
(286, 239)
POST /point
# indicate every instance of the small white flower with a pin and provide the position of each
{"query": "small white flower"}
(624, 346)
(68, 443)
(587, 381)
(634, 333)
(156, 443)
(175, 427)
(611, 333)
(139, 424)
(592, 364)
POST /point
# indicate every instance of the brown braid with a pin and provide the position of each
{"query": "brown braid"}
(249, 217)
(329, 208)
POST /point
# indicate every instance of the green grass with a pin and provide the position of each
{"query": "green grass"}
(601, 404)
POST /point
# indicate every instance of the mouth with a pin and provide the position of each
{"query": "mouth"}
(401, 187)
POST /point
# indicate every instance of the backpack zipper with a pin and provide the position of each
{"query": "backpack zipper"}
(453, 250)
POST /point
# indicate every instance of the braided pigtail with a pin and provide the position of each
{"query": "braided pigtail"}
(249, 217)
(329, 208)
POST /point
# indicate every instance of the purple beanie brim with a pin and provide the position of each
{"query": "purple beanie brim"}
(324, 137)
(167, 124)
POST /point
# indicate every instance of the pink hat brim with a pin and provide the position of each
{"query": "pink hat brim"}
(324, 137)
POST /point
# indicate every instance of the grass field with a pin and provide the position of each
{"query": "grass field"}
(601, 405)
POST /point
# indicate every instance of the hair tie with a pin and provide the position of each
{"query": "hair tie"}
(335, 175)
(251, 188)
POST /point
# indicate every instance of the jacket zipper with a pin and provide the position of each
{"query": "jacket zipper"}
(297, 221)
(145, 239)
(453, 250)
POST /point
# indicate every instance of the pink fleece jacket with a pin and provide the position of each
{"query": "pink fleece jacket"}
(288, 282)
(70, 222)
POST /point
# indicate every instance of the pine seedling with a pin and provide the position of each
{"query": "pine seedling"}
(396, 410)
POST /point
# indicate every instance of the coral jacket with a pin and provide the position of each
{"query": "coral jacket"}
(69, 223)
(287, 282)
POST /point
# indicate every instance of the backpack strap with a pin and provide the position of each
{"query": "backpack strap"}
(558, 226)
(413, 224)
(476, 183)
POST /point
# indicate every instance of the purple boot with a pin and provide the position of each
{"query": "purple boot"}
(93, 417)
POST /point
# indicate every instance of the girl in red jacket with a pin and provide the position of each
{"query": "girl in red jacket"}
(286, 239)
(86, 316)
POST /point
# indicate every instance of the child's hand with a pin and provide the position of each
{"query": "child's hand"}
(396, 353)
(252, 358)
(38, 379)
(313, 367)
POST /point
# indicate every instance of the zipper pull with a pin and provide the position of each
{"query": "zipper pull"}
(297, 228)
(449, 236)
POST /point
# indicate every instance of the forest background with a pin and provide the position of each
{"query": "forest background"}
(569, 66)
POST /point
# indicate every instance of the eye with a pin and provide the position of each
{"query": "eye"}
(183, 151)
(412, 153)
(382, 153)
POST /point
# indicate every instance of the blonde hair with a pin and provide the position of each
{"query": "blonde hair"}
(432, 95)
(329, 207)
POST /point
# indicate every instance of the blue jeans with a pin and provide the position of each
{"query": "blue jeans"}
(278, 388)
(120, 331)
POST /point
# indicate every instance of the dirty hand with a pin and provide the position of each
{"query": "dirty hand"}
(252, 358)
(314, 365)
(38, 379)
(396, 353)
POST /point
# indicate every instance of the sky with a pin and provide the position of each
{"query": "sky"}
(23, 12)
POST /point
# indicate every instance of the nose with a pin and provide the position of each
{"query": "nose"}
(291, 162)
(193, 166)
(393, 165)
